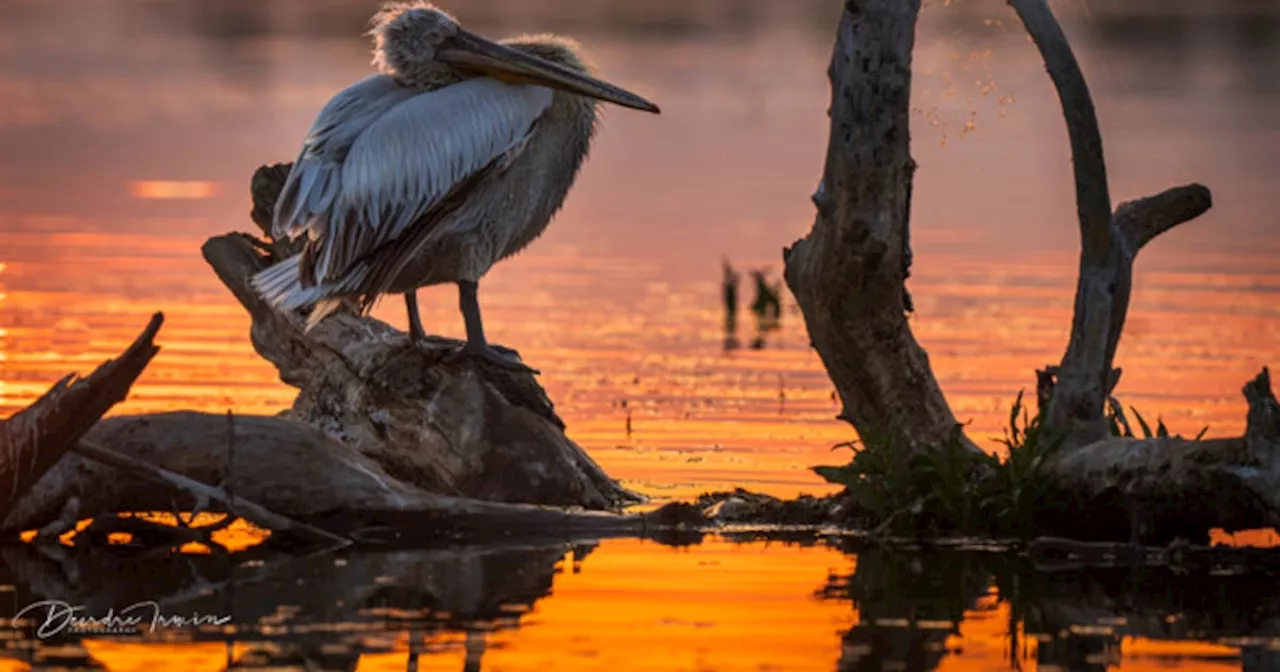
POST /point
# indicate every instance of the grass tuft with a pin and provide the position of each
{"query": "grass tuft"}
(951, 489)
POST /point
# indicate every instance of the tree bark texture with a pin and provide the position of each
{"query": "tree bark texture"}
(848, 274)
(1109, 242)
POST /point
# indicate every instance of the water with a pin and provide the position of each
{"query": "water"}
(129, 129)
(725, 604)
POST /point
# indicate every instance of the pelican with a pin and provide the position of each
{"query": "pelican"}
(456, 155)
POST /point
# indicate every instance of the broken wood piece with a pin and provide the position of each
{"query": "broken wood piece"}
(35, 438)
(1160, 489)
(1142, 220)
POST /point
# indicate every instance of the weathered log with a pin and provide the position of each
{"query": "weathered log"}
(35, 438)
(1155, 490)
(848, 274)
(207, 494)
(459, 428)
(296, 471)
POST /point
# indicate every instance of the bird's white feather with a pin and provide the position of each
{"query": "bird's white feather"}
(315, 180)
(379, 157)
(409, 159)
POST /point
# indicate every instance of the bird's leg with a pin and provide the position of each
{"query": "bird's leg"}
(417, 335)
(477, 346)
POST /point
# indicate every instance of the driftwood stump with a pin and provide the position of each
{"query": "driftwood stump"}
(459, 428)
(293, 470)
(849, 275)
(1161, 489)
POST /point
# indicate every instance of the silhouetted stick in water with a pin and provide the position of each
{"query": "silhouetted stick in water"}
(767, 307)
(730, 291)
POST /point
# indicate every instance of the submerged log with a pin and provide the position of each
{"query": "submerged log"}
(35, 438)
(461, 428)
(386, 443)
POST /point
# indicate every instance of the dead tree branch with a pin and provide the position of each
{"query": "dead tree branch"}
(848, 274)
(35, 438)
(1109, 243)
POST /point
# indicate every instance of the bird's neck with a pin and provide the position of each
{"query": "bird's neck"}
(427, 76)
(570, 122)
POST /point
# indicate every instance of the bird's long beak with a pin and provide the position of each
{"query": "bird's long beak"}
(468, 51)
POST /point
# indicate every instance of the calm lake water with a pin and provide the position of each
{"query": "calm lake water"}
(129, 130)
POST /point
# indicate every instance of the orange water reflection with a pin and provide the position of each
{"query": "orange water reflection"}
(636, 605)
(619, 302)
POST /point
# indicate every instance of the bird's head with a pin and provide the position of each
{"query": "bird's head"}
(422, 45)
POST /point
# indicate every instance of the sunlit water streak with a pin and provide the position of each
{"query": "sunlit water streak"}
(129, 133)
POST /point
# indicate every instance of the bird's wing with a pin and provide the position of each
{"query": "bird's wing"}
(415, 159)
(315, 180)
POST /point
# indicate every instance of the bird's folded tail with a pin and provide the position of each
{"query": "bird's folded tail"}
(324, 308)
(281, 286)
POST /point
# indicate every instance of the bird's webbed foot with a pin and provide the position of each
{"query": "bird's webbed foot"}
(503, 358)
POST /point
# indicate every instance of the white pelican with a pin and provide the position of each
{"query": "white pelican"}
(453, 158)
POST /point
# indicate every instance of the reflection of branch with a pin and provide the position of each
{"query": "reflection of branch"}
(458, 589)
(203, 493)
(143, 531)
